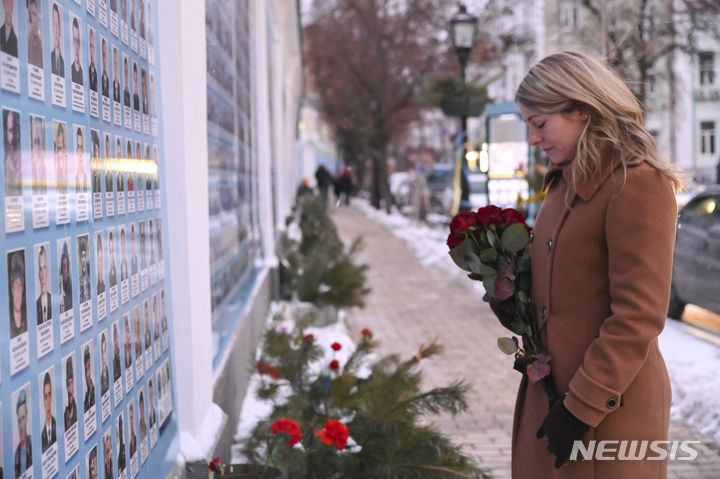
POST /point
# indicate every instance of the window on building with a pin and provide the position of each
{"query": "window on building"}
(707, 137)
(707, 68)
(569, 16)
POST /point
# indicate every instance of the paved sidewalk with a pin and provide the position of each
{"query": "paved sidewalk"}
(412, 304)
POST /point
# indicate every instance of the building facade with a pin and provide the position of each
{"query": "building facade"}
(679, 82)
(232, 93)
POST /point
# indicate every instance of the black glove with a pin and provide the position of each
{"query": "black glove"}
(562, 430)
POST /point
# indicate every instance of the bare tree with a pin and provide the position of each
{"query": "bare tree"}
(369, 61)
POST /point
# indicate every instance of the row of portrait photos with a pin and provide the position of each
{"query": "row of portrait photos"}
(148, 409)
(130, 168)
(140, 266)
(43, 52)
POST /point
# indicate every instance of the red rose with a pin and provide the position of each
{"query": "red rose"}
(290, 427)
(511, 216)
(367, 332)
(459, 224)
(336, 346)
(489, 215)
(265, 368)
(308, 337)
(334, 365)
(452, 241)
(336, 433)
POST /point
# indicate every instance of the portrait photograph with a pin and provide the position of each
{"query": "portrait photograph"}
(65, 292)
(16, 292)
(85, 283)
(38, 155)
(116, 74)
(141, 15)
(8, 30)
(47, 409)
(120, 442)
(128, 340)
(91, 464)
(12, 152)
(99, 262)
(81, 163)
(34, 33)
(92, 62)
(76, 67)
(117, 355)
(143, 255)
(43, 280)
(133, 250)
(70, 407)
(105, 65)
(57, 53)
(22, 440)
(136, 87)
(132, 430)
(112, 268)
(60, 156)
(124, 271)
(96, 168)
(75, 473)
(137, 327)
(109, 166)
(126, 81)
(144, 83)
(158, 226)
(104, 363)
(107, 442)
(89, 393)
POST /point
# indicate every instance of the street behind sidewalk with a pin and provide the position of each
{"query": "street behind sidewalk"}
(413, 304)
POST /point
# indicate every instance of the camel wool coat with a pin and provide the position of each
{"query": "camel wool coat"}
(601, 272)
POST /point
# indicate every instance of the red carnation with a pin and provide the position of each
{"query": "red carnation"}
(216, 465)
(336, 346)
(290, 427)
(334, 365)
(489, 215)
(336, 433)
(459, 224)
(265, 368)
(367, 332)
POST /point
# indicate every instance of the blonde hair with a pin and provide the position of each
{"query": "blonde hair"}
(564, 82)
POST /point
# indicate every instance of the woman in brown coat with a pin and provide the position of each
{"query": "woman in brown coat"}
(602, 265)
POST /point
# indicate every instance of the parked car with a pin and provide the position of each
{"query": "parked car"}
(696, 260)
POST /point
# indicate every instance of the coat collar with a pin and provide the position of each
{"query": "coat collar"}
(587, 188)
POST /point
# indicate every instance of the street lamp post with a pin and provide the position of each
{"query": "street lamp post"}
(463, 32)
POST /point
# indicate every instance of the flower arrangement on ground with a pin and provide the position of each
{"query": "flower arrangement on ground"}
(493, 245)
(355, 419)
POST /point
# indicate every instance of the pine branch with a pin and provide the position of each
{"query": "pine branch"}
(450, 399)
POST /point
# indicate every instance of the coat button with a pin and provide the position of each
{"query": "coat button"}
(549, 245)
(543, 313)
(611, 403)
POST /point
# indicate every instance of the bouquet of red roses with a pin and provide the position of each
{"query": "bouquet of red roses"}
(493, 245)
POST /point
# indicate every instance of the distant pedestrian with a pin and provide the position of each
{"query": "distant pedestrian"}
(345, 184)
(324, 181)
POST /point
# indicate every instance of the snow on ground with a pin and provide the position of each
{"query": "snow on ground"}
(692, 359)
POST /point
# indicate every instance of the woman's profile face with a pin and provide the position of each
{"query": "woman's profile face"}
(556, 133)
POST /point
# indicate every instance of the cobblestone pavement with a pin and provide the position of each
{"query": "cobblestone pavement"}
(411, 304)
